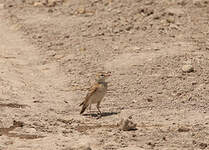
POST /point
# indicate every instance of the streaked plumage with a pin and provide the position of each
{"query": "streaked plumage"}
(96, 92)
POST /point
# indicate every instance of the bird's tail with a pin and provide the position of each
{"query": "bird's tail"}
(83, 108)
(81, 104)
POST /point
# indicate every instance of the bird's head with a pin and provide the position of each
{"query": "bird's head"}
(101, 76)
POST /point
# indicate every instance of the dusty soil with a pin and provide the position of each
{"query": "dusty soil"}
(50, 52)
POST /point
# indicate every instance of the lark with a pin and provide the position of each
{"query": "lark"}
(96, 92)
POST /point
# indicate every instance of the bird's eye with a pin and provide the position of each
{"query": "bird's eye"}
(102, 75)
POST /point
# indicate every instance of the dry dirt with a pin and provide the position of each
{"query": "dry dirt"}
(51, 50)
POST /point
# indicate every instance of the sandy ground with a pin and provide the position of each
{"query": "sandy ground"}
(51, 50)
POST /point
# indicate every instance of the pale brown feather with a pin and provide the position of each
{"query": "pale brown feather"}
(92, 90)
(96, 92)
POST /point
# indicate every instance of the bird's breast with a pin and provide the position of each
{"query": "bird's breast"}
(98, 96)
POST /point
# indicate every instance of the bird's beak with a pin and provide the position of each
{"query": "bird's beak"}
(108, 74)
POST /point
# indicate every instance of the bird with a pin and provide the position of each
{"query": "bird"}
(96, 93)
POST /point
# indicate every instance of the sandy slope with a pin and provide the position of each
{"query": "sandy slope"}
(49, 56)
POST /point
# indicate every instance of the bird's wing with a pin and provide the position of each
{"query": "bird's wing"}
(91, 92)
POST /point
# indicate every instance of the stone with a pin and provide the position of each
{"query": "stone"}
(183, 129)
(30, 130)
(82, 10)
(170, 19)
(127, 125)
(79, 148)
(199, 3)
(51, 3)
(175, 12)
(203, 145)
(131, 148)
(38, 4)
(84, 148)
(187, 68)
(1, 6)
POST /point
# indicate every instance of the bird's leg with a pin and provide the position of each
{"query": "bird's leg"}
(90, 108)
(98, 108)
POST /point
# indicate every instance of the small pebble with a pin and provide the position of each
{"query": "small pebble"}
(127, 125)
(183, 129)
(203, 145)
(38, 4)
(1, 6)
(187, 68)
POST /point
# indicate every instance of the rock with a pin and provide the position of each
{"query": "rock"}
(84, 148)
(203, 145)
(82, 49)
(175, 12)
(51, 3)
(182, 2)
(134, 101)
(200, 3)
(187, 68)
(183, 129)
(149, 99)
(18, 123)
(30, 130)
(151, 144)
(1, 6)
(127, 125)
(50, 10)
(38, 4)
(79, 148)
(146, 11)
(170, 19)
(131, 148)
(81, 10)
(9, 143)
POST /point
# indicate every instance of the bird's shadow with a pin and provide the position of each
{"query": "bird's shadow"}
(103, 114)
